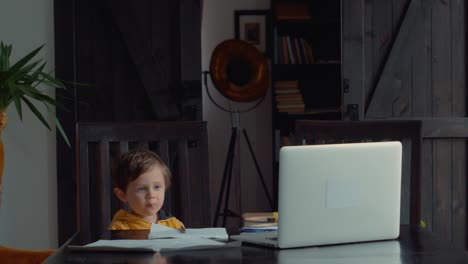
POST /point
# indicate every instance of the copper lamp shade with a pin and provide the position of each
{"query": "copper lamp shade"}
(239, 71)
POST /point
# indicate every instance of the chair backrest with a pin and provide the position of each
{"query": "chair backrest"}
(181, 145)
(409, 132)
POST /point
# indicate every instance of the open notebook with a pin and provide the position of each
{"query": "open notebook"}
(336, 193)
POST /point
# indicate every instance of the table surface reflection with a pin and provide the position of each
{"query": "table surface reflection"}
(413, 246)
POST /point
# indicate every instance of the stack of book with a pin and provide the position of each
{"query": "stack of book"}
(259, 221)
(288, 96)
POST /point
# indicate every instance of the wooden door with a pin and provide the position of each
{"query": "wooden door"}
(123, 61)
(405, 59)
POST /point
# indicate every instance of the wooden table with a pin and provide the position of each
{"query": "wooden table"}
(413, 246)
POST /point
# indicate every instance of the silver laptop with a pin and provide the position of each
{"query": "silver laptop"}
(336, 193)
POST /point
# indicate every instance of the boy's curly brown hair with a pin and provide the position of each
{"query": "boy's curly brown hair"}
(135, 163)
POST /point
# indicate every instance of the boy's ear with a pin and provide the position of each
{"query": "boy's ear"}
(120, 194)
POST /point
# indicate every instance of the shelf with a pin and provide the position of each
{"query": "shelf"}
(316, 39)
(285, 121)
(305, 22)
(314, 111)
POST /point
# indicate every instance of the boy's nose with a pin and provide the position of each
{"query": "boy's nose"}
(152, 195)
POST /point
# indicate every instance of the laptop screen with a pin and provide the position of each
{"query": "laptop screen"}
(339, 193)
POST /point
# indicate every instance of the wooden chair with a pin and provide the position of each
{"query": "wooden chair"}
(409, 132)
(182, 145)
(23, 256)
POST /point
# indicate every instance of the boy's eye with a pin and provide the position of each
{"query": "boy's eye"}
(157, 187)
(140, 188)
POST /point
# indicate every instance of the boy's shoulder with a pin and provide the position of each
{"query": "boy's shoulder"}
(124, 220)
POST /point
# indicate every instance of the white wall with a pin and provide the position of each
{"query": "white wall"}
(218, 25)
(28, 214)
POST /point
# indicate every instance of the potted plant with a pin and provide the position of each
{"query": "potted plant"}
(21, 83)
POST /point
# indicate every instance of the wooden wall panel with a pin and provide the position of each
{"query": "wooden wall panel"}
(403, 73)
(442, 96)
(382, 20)
(423, 77)
(422, 64)
(422, 102)
(459, 197)
(387, 98)
(398, 12)
(458, 110)
(426, 185)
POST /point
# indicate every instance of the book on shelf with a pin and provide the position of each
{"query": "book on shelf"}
(297, 101)
(287, 91)
(298, 51)
(292, 11)
(284, 59)
(297, 107)
(286, 97)
(293, 50)
(292, 58)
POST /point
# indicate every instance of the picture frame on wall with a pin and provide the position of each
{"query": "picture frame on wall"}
(253, 26)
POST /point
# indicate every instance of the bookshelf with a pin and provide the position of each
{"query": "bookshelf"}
(306, 58)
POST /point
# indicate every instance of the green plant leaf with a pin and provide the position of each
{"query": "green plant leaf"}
(37, 74)
(18, 65)
(35, 111)
(19, 83)
(18, 107)
(23, 73)
(52, 81)
(62, 132)
(5, 51)
(36, 94)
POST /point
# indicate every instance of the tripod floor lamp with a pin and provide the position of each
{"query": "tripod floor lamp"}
(241, 74)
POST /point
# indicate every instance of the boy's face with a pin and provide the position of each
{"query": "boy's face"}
(145, 194)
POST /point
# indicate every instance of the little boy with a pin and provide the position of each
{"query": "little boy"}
(141, 180)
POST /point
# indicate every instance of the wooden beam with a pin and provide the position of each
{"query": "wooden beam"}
(441, 127)
(353, 71)
(445, 128)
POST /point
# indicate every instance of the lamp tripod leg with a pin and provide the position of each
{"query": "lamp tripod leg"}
(267, 193)
(226, 211)
(227, 175)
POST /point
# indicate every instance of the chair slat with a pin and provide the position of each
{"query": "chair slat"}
(105, 182)
(83, 191)
(184, 179)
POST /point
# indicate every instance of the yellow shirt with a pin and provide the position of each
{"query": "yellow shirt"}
(124, 220)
